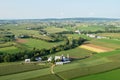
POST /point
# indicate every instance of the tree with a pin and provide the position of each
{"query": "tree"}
(7, 58)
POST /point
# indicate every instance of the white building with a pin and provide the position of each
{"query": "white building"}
(57, 58)
(27, 60)
(77, 31)
(49, 59)
(91, 35)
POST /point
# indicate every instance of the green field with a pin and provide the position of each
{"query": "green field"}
(111, 75)
(91, 28)
(54, 30)
(75, 53)
(110, 43)
(18, 68)
(84, 65)
(76, 36)
(39, 44)
(111, 35)
(10, 50)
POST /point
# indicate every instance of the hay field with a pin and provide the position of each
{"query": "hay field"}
(95, 48)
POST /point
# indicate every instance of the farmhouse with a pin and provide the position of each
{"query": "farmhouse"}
(27, 60)
(77, 31)
(91, 35)
(50, 59)
(60, 60)
(38, 59)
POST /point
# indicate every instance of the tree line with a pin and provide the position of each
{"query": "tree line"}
(32, 54)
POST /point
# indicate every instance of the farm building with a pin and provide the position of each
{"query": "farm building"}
(27, 60)
(60, 60)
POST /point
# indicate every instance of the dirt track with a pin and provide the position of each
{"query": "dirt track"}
(95, 48)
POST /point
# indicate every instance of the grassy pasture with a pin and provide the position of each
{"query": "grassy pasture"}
(27, 32)
(10, 50)
(111, 75)
(91, 65)
(75, 53)
(91, 28)
(18, 68)
(54, 30)
(26, 75)
(47, 77)
(114, 44)
(7, 44)
(39, 44)
(112, 35)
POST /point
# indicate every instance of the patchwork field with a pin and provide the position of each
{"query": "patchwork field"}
(111, 75)
(109, 43)
(54, 30)
(95, 48)
(10, 50)
(111, 35)
(39, 44)
(86, 61)
(74, 53)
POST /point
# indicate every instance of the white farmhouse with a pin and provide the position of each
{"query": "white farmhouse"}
(57, 57)
(27, 60)
(49, 59)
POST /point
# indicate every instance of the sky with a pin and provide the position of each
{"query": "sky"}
(39, 9)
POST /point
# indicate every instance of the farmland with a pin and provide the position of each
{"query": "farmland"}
(111, 35)
(111, 75)
(91, 58)
(74, 53)
(110, 43)
(39, 44)
(95, 48)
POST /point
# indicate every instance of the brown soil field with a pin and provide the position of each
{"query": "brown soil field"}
(95, 48)
(21, 40)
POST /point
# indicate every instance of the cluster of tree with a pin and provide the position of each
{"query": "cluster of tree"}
(6, 36)
(5, 57)
(100, 31)
(66, 32)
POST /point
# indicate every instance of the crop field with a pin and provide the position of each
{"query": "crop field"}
(54, 30)
(10, 50)
(85, 67)
(95, 48)
(27, 32)
(76, 36)
(39, 44)
(91, 28)
(111, 35)
(74, 53)
(7, 44)
(18, 68)
(95, 59)
(111, 75)
(109, 43)
(81, 67)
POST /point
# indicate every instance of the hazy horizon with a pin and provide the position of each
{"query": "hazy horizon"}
(41, 9)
